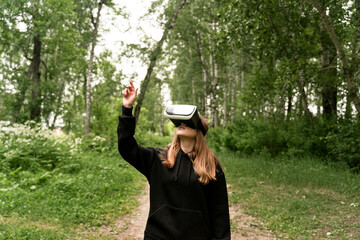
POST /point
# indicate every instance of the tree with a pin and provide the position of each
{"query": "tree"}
(329, 73)
(347, 67)
(43, 46)
(95, 23)
(153, 57)
(106, 101)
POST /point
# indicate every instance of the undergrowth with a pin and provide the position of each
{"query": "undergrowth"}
(51, 185)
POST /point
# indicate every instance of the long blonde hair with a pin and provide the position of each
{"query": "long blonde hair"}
(204, 160)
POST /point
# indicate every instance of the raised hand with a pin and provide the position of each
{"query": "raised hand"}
(129, 95)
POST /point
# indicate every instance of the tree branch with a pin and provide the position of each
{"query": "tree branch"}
(92, 19)
(153, 59)
(348, 72)
(26, 55)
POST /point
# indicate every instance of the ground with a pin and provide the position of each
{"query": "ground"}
(131, 226)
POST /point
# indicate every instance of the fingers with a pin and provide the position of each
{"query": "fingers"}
(125, 93)
(130, 90)
(130, 87)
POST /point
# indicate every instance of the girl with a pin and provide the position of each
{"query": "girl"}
(188, 195)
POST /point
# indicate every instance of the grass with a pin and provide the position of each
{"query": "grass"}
(62, 204)
(296, 198)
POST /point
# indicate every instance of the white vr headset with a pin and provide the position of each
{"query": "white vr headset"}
(186, 114)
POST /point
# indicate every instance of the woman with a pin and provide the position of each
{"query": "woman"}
(188, 195)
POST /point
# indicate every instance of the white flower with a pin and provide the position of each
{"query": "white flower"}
(98, 138)
(354, 204)
(10, 154)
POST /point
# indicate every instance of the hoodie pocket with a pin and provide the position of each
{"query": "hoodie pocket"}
(176, 223)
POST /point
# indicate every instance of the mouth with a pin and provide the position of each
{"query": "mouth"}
(181, 127)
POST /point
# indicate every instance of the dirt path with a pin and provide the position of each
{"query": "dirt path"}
(132, 226)
(247, 227)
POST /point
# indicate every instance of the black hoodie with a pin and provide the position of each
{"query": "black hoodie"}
(181, 208)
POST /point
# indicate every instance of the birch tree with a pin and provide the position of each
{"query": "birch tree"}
(95, 23)
(347, 67)
(39, 41)
(153, 58)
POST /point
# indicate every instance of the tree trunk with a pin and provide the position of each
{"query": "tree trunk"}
(204, 73)
(303, 96)
(153, 58)
(356, 49)
(35, 105)
(348, 73)
(233, 98)
(329, 86)
(193, 93)
(1, 104)
(289, 104)
(226, 92)
(234, 78)
(90, 69)
(204, 81)
(357, 6)
(161, 125)
(19, 100)
(329, 75)
(59, 100)
(214, 85)
(348, 107)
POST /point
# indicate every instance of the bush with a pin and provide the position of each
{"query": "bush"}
(214, 138)
(97, 143)
(249, 137)
(343, 143)
(46, 178)
(30, 147)
(152, 140)
(334, 141)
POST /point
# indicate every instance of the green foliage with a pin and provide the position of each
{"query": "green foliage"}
(86, 191)
(152, 111)
(29, 147)
(106, 100)
(58, 181)
(214, 138)
(249, 137)
(152, 140)
(63, 51)
(335, 142)
(144, 124)
(95, 143)
(342, 142)
(90, 187)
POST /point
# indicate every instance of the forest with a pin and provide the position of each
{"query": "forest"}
(277, 80)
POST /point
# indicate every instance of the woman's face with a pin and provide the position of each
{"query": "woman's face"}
(185, 131)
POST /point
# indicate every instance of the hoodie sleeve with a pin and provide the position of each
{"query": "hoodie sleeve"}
(139, 157)
(219, 208)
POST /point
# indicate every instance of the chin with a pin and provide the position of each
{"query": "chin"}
(179, 133)
(186, 133)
